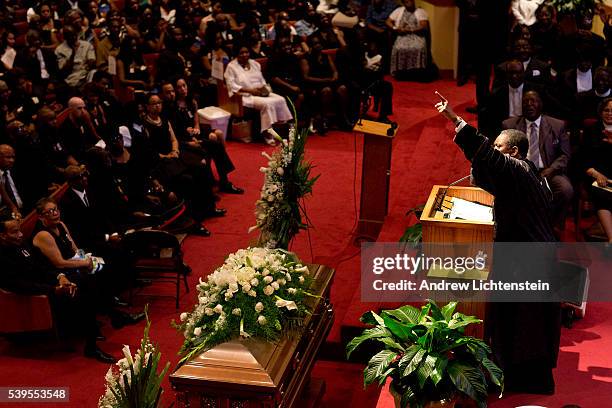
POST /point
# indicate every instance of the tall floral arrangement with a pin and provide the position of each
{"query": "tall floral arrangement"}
(287, 180)
(257, 292)
(135, 382)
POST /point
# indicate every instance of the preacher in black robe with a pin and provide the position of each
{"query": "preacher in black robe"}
(524, 336)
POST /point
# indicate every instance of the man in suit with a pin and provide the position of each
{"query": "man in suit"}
(21, 274)
(39, 64)
(89, 226)
(536, 71)
(505, 100)
(549, 150)
(9, 196)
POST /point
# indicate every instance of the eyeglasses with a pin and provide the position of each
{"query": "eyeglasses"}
(50, 211)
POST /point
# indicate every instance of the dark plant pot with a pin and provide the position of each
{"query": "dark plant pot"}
(445, 403)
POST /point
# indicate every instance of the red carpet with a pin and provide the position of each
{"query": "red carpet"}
(423, 155)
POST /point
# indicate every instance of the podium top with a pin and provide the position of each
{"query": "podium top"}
(374, 128)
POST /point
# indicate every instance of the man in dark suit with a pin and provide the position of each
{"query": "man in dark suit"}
(506, 100)
(10, 197)
(39, 64)
(549, 150)
(89, 226)
(536, 71)
(21, 274)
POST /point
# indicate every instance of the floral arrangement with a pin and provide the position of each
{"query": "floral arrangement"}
(257, 292)
(135, 383)
(575, 6)
(287, 179)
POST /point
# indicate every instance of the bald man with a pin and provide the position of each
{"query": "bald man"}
(9, 195)
(77, 131)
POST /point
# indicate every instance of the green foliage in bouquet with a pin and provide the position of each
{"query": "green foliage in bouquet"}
(287, 180)
(136, 384)
(576, 6)
(257, 292)
(427, 356)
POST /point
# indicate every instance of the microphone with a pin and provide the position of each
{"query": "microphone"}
(438, 205)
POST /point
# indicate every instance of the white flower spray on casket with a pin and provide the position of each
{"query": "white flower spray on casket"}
(257, 292)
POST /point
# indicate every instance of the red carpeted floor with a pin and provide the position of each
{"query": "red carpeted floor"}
(423, 155)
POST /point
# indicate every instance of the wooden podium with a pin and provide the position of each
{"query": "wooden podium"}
(439, 230)
(375, 176)
(253, 373)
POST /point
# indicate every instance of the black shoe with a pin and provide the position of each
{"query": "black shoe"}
(230, 188)
(384, 119)
(124, 319)
(118, 303)
(200, 231)
(217, 212)
(99, 355)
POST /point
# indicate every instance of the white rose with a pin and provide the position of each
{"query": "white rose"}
(302, 269)
(270, 198)
(301, 279)
(254, 282)
(268, 279)
(183, 316)
(280, 171)
(236, 311)
(228, 295)
(246, 287)
(208, 311)
(261, 320)
(218, 309)
(252, 293)
(265, 272)
(202, 300)
(288, 275)
(197, 331)
(233, 287)
(282, 281)
(268, 290)
(259, 307)
(275, 285)
(292, 291)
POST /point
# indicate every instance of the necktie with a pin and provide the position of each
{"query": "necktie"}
(9, 189)
(85, 200)
(534, 145)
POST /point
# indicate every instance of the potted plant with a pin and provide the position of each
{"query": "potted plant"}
(427, 356)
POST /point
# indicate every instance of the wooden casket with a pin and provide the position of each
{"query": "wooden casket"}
(252, 373)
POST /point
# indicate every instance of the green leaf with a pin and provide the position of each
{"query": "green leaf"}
(435, 310)
(455, 324)
(448, 310)
(414, 362)
(401, 331)
(496, 373)
(372, 318)
(378, 364)
(383, 377)
(468, 379)
(438, 372)
(368, 334)
(426, 369)
(407, 357)
(405, 314)
(390, 343)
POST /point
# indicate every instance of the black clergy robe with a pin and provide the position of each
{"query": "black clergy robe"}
(524, 337)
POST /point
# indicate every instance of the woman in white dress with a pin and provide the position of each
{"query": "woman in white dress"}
(410, 48)
(243, 76)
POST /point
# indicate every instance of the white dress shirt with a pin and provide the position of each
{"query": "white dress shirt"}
(82, 195)
(584, 80)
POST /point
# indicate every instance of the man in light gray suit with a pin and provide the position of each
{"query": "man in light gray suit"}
(549, 150)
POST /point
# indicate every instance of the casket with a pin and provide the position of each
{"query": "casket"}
(253, 373)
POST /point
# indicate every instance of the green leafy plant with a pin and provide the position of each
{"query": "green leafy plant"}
(137, 384)
(427, 355)
(576, 6)
(413, 235)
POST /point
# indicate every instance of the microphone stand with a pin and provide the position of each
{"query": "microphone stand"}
(438, 205)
